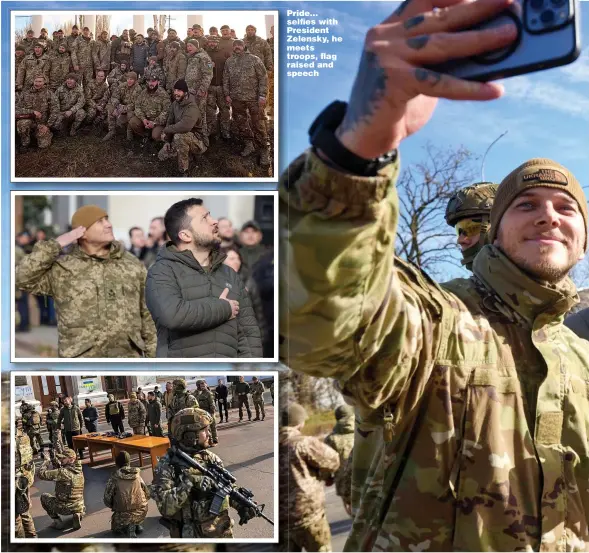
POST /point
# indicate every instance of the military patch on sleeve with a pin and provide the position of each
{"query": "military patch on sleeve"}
(547, 175)
(210, 64)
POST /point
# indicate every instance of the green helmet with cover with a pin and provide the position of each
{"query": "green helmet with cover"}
(186, 425)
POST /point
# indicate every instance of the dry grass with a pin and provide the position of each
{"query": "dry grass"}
(319, 423)
(86, 156)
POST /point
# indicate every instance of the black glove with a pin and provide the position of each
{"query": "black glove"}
(246, 514)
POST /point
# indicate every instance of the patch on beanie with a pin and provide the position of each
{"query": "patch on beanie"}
(547, 175)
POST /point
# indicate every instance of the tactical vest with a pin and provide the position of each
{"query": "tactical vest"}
(23, 451)
(113, 408)
(128, 496)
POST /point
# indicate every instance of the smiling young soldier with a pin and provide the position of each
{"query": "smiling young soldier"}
(471, 397)
(98, 288)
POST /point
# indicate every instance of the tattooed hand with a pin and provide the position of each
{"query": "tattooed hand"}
(394, 95)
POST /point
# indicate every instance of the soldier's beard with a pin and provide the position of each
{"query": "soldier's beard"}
(206, 243)
(152, 88)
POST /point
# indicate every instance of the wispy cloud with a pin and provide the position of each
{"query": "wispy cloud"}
(578, 72)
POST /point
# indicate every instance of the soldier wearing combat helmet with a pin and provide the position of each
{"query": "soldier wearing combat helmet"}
(469, 212)
(181, 398)
(183, 495)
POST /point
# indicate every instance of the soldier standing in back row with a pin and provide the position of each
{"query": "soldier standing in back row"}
(136, 414)
(35, 64)
(51, 418)
(258, 47)
(181, 399)
(219, 50)
(206, 402)
(257, 389)
(199, 73)
(31, 423)
(115, 414)
(82, 57)
(69, 489)
(242, 389)
(60, 67)
(245, 84)
(154, 415)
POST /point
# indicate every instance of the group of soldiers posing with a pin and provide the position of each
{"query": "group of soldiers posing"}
(191, 427)
(168, 90)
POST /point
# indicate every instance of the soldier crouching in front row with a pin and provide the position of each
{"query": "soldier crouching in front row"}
(184, 495)
(69, 488)
(127, 495)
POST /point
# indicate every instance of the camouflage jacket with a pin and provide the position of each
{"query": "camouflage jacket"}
(116, 77)
(206, 400)
(125, 95)
(97, 94)
(136, 414)
(259, 47)
(28, 423)
(471, 398)
(31, 67)
(174, 68)
(179, 402)
(165, 45)
(60, 67)
(155, 71)
(70, 40)
(51, 418)
(342, 440)
(100, 302)
(257, 390)
(56, 44)
(71, 417)
(304, 464)
(101, 55)
(70, 99)
(43, 101)
(153, 106)
(82, 51)
(126, 492)
(184, 503)
(24, 476)
(245, 78)
(69, 486)
(28, 44)
(199, 72)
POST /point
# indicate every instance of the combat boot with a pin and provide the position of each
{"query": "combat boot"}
(257, 418)
(57, 523)
(265, 157)
(131, 531)
(77, 521)
(263, 416)
(138, 528)
(109, 136)
(249, 149)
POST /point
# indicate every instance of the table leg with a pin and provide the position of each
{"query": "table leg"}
(140, 459)
(90, 453)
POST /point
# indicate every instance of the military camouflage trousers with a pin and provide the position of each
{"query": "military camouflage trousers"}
(36, 441)
(254, 129)
(42, 132)
(217, 527)
(137, 126)
(139, 430)
(93, 113)
(24, 526)
(120, 521)
(182, 145)
(75, 119)
(54, 507)
(259, 405)
(270, 100)
(115, 121)
(201, 102)
(216, 99)
(315, 537)
(85, 74)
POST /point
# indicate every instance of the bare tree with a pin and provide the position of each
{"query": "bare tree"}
(423, 237)
(102, 24)
(159, 23)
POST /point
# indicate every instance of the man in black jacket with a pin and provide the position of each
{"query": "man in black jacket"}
(90, 415)
(200, 306)
(221, 393)
(115, 413)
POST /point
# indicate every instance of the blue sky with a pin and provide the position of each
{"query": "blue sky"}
(546, 114)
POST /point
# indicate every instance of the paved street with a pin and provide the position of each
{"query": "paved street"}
(247, 450)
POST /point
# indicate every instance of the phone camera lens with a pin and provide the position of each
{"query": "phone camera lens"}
(537, 4)
(547, 17)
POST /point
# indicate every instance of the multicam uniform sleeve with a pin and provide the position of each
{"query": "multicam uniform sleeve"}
(53, 110)
(109, 493)
(81, 100)
(354, 312)
(74, 51)
(206, 74)
(33, 273)
(89, 95)
(20, 74)
(169, 497)
(181, 67)
(139, 113)
(148, 330)
(268, 59)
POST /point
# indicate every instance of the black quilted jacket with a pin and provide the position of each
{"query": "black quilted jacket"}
(191, 320)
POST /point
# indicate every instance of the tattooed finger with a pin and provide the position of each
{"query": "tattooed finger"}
(417, 42)
(426, 75)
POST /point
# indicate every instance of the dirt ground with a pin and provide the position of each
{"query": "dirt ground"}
(85, 155)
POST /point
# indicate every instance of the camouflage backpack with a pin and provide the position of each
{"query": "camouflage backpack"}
(23, 451)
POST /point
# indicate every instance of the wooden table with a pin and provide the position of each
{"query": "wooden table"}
(153, 446)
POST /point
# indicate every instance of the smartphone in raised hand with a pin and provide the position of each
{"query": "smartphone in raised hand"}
(548, 36)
